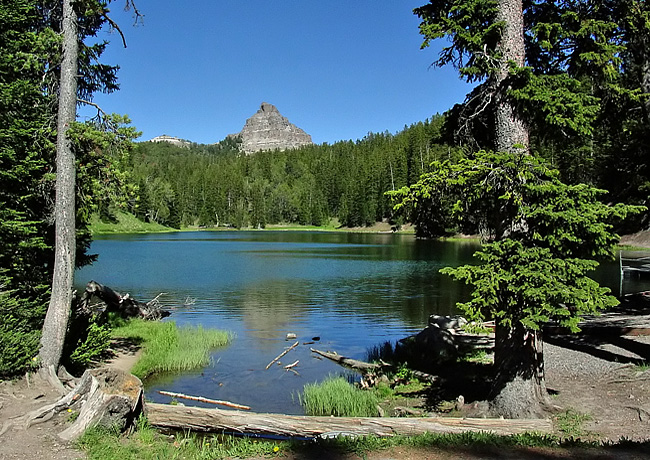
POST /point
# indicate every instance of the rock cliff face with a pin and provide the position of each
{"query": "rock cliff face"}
(267, 129)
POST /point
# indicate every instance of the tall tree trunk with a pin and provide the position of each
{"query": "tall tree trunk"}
(645, 76)
(56, 320)
(519, 390)
(510, 129)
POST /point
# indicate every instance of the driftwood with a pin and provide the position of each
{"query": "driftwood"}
(168, 417)
(205, 400)
(281, 355)
(368, 368)
(361, 366)
(104, 397)
(123, 305)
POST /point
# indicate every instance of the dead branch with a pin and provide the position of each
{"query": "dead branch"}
(205, 400)
(281, 355)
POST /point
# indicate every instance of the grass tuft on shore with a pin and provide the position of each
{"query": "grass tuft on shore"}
(335, 396)
(168, 348)
(125, 223)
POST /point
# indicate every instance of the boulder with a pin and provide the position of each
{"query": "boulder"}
(450, 323)
(430, 347)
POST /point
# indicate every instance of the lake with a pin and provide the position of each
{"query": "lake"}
(351, 291)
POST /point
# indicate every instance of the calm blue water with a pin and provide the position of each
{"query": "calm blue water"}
(354, 291)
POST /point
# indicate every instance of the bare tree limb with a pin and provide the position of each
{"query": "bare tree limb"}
(205, 400)
(282, 354)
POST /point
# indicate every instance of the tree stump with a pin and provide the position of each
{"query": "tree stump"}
(104, 397)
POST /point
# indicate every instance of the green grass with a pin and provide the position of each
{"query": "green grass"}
(335, 396)
(126, 223)
(168, 348)
(643, 367)
(570, 423)
(147, 444)
(477, 356)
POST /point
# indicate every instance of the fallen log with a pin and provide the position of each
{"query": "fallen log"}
(361, 366)
(366, 368)
(169, 417)
(205, 400)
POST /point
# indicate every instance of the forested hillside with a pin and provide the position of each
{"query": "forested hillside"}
(217, 185)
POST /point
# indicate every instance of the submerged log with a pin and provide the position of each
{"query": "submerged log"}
(203, 399)
(169, 417)
(368, 368)
(361, 366)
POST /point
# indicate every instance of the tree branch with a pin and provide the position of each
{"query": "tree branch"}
(100, 112)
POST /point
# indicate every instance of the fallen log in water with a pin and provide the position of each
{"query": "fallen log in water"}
(365, 367)
(348, 362)
(124, 305)
(203, 399)
(169, 417)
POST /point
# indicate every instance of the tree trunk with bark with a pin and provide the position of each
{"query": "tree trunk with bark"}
(519, 389)
(510, 129)
(58, 312)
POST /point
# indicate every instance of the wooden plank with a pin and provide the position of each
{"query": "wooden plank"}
(164, 416)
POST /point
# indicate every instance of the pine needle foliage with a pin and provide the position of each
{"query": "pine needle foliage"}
(543, 237)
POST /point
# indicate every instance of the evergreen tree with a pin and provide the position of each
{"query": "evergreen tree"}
(30, 73)
(543, 68)
(543, 237)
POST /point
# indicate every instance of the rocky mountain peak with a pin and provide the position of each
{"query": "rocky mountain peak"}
(267, 129)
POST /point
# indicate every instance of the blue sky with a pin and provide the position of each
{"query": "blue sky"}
(337, 69)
